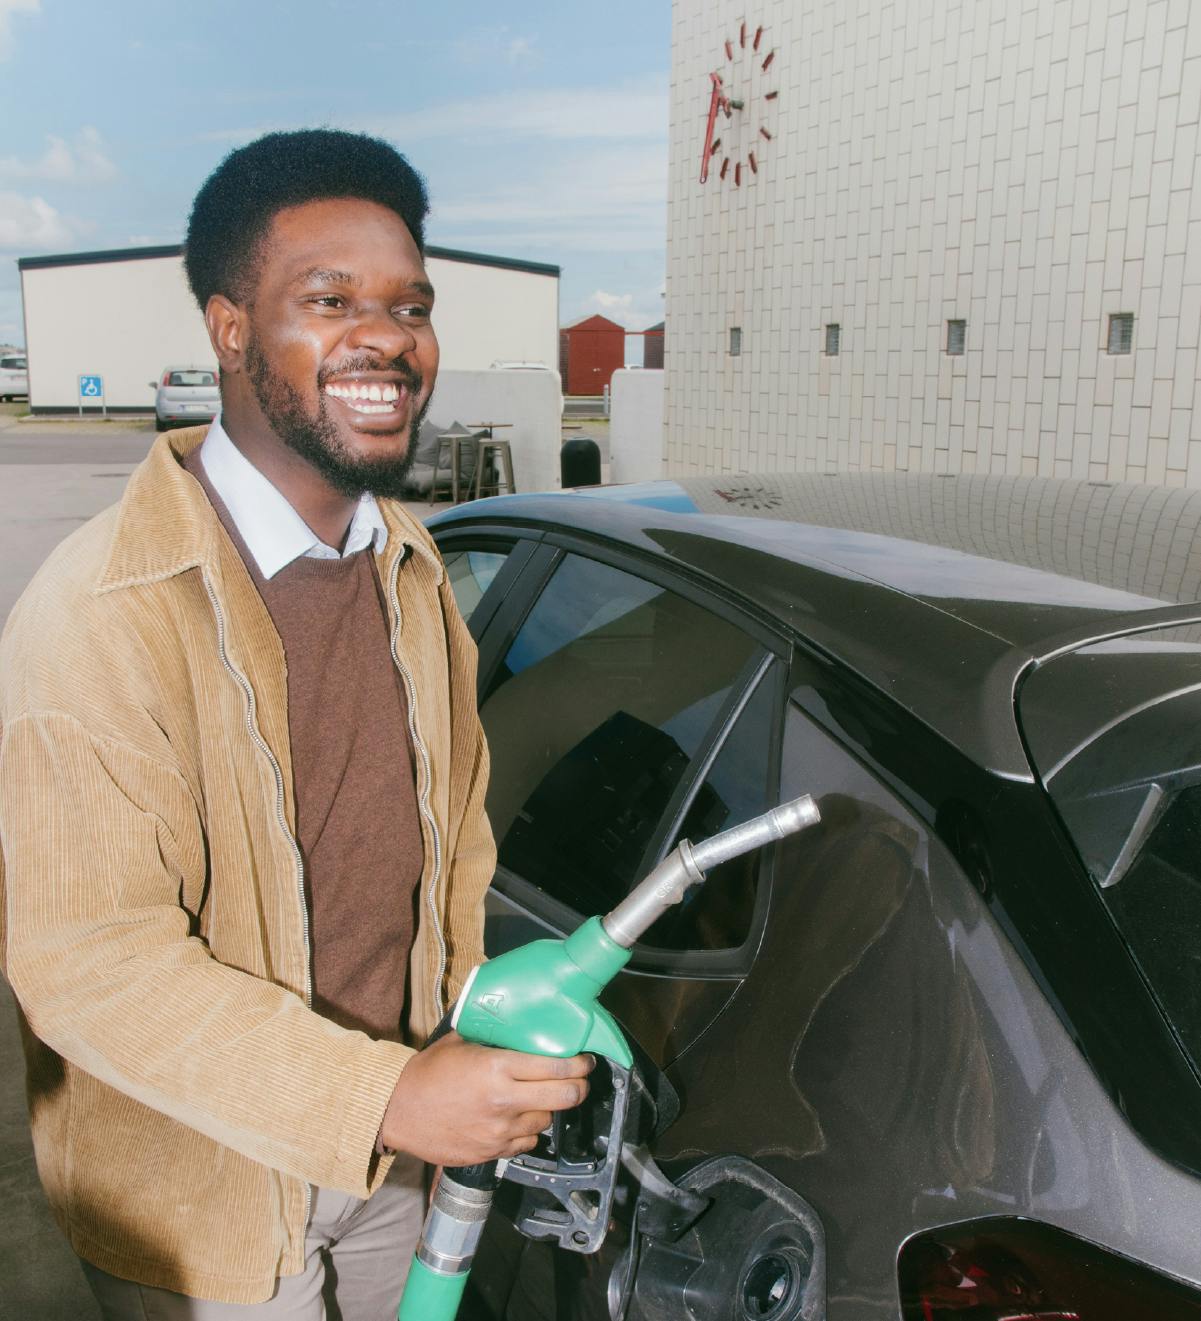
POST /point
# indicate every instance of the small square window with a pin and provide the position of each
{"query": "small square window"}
(1121, 333)
(735, 341)
(833, 339)
(956, 337)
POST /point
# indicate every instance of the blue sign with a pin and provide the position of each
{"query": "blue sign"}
(91, 387)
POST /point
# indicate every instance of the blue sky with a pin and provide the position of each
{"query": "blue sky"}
(540, 127)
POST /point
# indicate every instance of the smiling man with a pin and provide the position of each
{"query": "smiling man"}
(241, 795)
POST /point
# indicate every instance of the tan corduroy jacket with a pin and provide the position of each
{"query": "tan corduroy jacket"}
(183, 1096)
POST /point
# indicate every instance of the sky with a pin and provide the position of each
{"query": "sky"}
(541, 128)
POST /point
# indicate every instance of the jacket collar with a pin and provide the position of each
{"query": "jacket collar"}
(165, 524)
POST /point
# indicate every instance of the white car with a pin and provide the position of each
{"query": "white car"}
(185, 395)
(14, 376)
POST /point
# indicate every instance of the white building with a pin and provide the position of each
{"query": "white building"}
(124, 315)
(1028, 170)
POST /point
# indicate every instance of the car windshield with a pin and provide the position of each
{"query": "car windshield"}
(14, 364)
(193, 378)
(1114, 730)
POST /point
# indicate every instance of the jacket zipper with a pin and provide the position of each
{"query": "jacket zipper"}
(423, 796)
(281, 815)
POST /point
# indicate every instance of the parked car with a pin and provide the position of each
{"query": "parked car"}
(938, 1056)
(14, 376)
(185, 395)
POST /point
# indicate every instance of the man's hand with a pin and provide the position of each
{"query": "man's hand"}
(461, 1104)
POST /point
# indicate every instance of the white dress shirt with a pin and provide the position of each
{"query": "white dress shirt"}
(273, 531)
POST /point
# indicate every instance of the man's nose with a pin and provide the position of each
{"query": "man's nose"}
(379, 331)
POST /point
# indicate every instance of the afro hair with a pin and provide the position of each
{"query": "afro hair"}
(234, 209)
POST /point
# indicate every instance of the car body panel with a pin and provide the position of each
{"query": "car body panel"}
(943, 1021)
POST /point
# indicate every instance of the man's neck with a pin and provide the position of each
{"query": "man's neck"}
(326, 510)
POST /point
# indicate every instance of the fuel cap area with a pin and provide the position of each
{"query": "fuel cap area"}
(756, 1254)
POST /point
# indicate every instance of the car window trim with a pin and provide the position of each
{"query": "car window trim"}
(518, 553)
(735, 962)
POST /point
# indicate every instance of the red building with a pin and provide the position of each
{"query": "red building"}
(590, 351)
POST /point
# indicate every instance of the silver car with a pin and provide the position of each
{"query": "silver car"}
(185, 395)
(14, 376)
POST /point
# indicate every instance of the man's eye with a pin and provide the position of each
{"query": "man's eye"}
(327, 300)
(413, 310)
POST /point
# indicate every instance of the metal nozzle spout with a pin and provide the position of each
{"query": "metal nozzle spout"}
(686, 865)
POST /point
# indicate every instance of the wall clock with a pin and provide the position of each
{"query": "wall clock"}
(742, 89)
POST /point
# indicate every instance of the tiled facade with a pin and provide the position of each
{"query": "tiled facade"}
(1026, 166)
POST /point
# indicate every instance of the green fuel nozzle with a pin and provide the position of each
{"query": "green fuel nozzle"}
(544, 998)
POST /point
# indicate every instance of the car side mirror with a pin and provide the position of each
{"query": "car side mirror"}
(152, 384)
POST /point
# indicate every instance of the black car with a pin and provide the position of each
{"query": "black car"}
(939, 1055)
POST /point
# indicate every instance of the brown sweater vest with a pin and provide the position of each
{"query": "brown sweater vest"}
(353, 773)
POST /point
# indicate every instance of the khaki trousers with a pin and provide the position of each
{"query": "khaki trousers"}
(357, 1256)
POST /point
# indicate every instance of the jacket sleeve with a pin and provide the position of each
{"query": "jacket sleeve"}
(472, 859)
(97, 840)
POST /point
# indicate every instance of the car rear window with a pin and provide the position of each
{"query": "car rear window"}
(14, 364)
(1114, 730)
(193, 378)
(607, 692)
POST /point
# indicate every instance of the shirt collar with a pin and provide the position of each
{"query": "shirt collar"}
(273, 531)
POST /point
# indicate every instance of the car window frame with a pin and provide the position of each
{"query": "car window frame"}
(518, 551)
(509, 603)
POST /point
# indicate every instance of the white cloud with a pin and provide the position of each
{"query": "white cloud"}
(612, 302)
(31, 222)
(628, 112)
(83, 161)
(609, 200)
(632, 110)
(634, 309)
(487, 45)
(7, 9)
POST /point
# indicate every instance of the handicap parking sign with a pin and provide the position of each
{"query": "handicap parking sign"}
(91, 387)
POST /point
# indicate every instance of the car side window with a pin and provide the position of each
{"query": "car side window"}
(471, 573)
(607, 692)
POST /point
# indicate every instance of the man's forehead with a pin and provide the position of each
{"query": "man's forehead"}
(341, 237)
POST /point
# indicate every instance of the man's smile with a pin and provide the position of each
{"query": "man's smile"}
(369, 397)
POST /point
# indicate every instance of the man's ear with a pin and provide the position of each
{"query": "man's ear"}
(226, 323)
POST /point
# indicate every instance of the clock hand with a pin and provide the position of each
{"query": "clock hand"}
(714, 102)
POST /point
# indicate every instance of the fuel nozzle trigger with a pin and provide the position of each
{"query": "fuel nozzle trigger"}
(567, 1181)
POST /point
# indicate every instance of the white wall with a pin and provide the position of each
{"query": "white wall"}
(485, 314)
(127, 320)
(1030, 168)
(636, 425)
(530, 400)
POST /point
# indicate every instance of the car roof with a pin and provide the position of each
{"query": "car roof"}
(939, 590)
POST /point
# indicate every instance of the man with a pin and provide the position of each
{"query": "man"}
(241, 794)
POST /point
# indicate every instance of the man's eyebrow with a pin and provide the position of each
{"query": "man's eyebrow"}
(422, 287)
(323, 275)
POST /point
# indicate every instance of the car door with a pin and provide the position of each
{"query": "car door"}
(622, 710)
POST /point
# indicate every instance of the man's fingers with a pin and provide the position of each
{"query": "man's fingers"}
(535, 1068)
(555, 1095)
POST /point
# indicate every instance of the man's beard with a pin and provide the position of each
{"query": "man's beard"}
(315, 436)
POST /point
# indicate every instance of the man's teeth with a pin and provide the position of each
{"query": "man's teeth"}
(374, 398)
